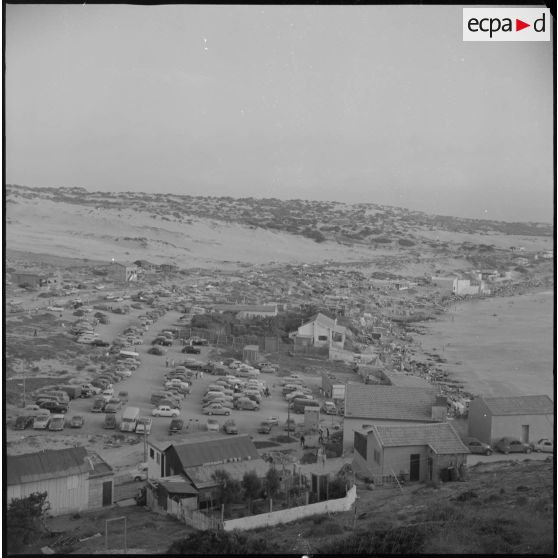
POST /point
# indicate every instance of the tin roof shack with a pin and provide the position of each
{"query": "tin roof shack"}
(412, 452)
(118, 272)
(63, 474)
(200, 456)
(527, 417)
(173, 495)
(366, 405)
(101, 482)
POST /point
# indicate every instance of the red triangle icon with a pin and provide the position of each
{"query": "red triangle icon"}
(519, 25)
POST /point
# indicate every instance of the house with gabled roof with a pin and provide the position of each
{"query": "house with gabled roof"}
(63, 474)
(410, 452)
(527, 418)
(366, 405)
(320, 331)
(197, 457)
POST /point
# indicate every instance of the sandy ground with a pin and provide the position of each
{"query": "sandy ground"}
(499, 346)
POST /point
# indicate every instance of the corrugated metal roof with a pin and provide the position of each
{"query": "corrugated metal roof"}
(521, 405)
(215, 449)
(177, 485)
(203, 476)
(46, 464)
(407, 380)
(441, 437)
(389, 402)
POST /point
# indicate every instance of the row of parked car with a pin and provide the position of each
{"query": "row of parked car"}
(231, 392)
(508, 445)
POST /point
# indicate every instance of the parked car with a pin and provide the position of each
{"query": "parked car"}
(156, 350)
(113, 406)
(165, 411)
(265, 428)
(139, 473)
(41, 422)
(100, 343)
(246, 404)
(290, 425)
(77, 421)
(544, 445)
(230, 427)
(57, 422)
(191, 350)
(54, 407)
(512, 445)
(272, 420)
(476, 446)
(143, 425)
(212, 425)
(110, 421)
(216, 409)
(329, 408)
(23, 422)
(176, 425)
(98, 405)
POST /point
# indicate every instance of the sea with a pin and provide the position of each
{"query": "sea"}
(498, 346)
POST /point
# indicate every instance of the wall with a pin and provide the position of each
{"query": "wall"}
(292, 514)
(479, 420)
(464, 287)
(154, 468)
(65, 494)
(96, 490)
(540, 426)
(397, 460)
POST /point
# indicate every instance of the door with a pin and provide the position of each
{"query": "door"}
(525, 433)
(414, 472)
(107, 493)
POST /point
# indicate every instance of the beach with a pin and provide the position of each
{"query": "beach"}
(500, 346)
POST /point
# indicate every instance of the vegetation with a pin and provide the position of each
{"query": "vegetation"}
(25, 520)
(222, 542)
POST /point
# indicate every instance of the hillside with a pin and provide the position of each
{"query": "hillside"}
(209, 232)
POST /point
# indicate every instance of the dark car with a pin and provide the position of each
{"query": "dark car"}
(191, 350)
(156, 351)
(512, 445)
(113, 406)
(162, 341)
(230, 427)
(476, 446)
(110, 421)
(100, 343)
(23, 422)
(265, 428)
(98, 406)
(199, 341)
(77, 421)
(53, 407)
(176, 425)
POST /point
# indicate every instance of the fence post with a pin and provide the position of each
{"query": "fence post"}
(270, 505)
(222, 513)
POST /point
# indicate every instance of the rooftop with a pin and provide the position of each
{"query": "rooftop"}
(441, 436)
(521, 405)
(46, 464)
(389, 402)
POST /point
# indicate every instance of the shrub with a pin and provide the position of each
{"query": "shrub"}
(223, 542)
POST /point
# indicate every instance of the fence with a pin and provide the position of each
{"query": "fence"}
(292, 514)
(199, 520)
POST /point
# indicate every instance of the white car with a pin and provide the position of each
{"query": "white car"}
(41, 422)
(178, 384)
(213, 425)
(144, 425)
(544, 445)
(124, 372)
(165, 411)
(139, 473)
(55, 308)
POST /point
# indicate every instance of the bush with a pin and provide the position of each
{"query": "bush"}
(223, 542)
(24, 519)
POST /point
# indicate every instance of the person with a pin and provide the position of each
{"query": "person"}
(35, 333)
(201, 374)
(172, 364)
(302, 441)
(167, 363)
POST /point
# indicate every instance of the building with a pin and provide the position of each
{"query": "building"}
(197, 457)
(447, 283)
(528, 418)
(101, 483)
(63, 474)
(412, 452)
(37, 280)
(321, 331)
(168, 268)
(119, 273)
(367, 405)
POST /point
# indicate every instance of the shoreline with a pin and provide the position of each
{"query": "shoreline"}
(484, 348)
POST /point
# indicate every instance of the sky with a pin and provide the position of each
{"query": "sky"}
(377, 104)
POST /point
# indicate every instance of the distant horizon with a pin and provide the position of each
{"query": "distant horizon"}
(135, 192)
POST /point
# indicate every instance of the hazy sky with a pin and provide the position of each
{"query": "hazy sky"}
(382, 104)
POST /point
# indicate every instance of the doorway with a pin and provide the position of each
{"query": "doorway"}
(107, 493)
(525, 433)
(414, 470)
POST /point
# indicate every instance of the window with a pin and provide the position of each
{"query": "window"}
(361, 444)
(322, 337)
(151, 453)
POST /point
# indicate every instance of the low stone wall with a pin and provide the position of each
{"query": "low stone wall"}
(292, 514)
